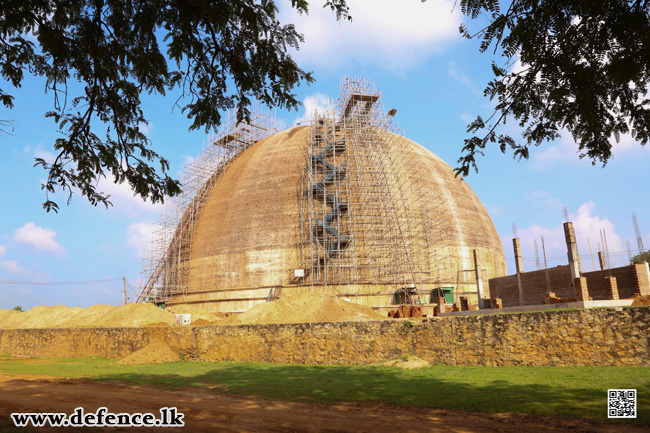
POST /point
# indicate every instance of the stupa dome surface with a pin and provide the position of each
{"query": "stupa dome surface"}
(248, 243)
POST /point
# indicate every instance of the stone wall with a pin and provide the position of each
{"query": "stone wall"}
(572, 337)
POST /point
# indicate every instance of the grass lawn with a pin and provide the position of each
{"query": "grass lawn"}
(565, 392)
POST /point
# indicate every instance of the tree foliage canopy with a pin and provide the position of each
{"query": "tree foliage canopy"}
(219, 53)
(585, 68)
(641, 258)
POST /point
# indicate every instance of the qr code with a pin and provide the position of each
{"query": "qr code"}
(621, 403)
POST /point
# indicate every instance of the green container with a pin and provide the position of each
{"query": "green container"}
(400, 295)
(447, 292)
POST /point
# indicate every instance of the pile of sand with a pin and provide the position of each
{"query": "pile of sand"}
(305, 308)
(60, 316)
(134, 315)
(295, 309)
(154, 353)
(88, 316)
(641, 300)
(408, 362)
(7, 316)
(196, 312)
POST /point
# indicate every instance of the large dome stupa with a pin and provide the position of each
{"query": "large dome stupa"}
(342, 206)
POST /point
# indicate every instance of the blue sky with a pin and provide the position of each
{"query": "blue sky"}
(433, 77)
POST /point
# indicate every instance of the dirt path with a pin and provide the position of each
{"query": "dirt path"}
(209, 412)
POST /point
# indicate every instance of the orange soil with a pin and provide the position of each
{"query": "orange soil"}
(201, 322)
(210, 411)
(130, 315)
(641, 300)
(305, 308)
(153, 353)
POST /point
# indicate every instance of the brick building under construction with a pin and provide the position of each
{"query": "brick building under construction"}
(345, 205)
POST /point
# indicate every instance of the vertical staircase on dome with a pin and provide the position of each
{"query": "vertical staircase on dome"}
(331, 237)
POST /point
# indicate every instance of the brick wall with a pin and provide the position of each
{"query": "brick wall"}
(629, 279)
(535, 285)
(642, 278)
(571, 337)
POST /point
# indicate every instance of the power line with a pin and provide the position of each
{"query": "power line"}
(531, 259)
(59, 283)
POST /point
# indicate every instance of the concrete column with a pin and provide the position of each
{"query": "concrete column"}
(612, 287)
(579, 264)
(601, 260)
(520, 268)
(479, 282)
(572, 252)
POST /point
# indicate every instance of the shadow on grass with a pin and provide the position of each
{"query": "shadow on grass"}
(564, 392)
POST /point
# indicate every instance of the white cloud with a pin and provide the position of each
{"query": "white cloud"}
(3, 250)
(139, 237)
(48, 157)
(315, 102)
(554, 245)
(385, 33)
(38, 237)
(146, 128)
(124, 199)
(544, 199)
(626, 145)
(587, 227)
(466, 117)
(564, 150)
(187, 161)
(517, 66)
(496, 210)
(456, 73)
(13, 267)
(39, 152)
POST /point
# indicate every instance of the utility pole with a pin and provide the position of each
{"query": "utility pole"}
(124, 299)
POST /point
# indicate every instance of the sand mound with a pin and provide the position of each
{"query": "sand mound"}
(41, 317)
(88, 316)
(306, 308)
(641, 300)
(409, 362)
(154, 353)
(159, 324)
(295, 309)
(7, 317)
(96, 316)
(135, 315)
(196, 312)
